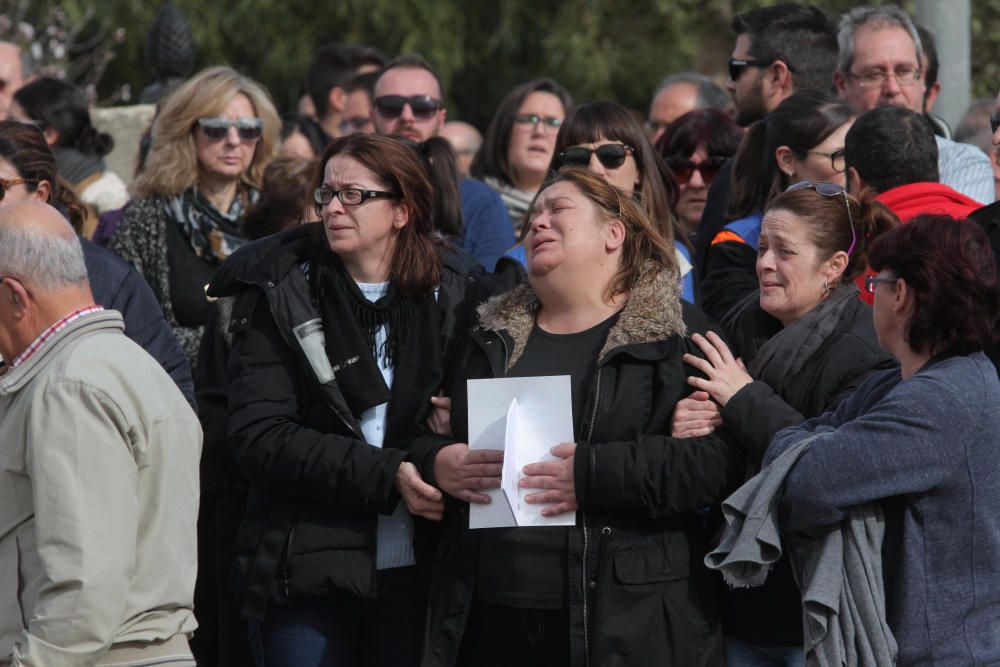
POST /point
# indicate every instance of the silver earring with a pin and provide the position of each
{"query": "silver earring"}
(826, 289)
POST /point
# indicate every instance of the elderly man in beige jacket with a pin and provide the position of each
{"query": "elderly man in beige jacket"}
(98, 469)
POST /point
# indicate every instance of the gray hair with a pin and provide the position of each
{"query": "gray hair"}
(710, 95)
(882, 17)
(45, 260)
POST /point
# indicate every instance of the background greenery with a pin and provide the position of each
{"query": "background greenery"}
(612, 49)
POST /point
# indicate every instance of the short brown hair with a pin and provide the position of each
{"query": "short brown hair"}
(643, 240)
(416, 265)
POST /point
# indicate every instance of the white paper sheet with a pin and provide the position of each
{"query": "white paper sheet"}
(525, 417)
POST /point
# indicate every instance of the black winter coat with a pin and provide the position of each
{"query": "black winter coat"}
(771, 615)
(315, 485)
(638, 592)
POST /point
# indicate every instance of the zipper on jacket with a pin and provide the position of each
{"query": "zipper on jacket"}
(288, 556)
(583, 519)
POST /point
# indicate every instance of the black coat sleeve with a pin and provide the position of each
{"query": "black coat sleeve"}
(269, 400)
(730, 275)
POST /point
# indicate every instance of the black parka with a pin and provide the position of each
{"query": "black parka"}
(316, 486)
(638, 592)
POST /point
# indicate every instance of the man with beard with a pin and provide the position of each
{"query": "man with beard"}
(779, 50)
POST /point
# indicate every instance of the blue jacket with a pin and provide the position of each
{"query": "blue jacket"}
(488, 230)
(117, 285)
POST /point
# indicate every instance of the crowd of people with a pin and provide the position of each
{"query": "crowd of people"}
(234, 400)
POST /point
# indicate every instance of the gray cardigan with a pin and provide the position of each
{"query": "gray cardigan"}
(928, 446)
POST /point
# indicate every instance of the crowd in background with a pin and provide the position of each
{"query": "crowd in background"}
(776, 308)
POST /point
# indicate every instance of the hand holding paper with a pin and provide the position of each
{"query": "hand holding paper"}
(556, 477)
(462, 472)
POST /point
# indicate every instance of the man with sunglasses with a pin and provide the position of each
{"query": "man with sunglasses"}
(779, 50)
(409, 103)
(880, 64)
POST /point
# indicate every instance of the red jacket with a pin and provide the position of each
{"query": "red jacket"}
(909, 201)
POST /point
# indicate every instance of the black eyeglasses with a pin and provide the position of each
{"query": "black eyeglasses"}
(995, 122)
(349, 196)
(830, 190)
(837, 162)
(533, 119)
(738, 65)
(611, 156)
(871, 282)
(216, 128)
(683, 168)
(422, 106)
(8, 182)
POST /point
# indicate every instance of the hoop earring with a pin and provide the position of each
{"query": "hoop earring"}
(826, 289)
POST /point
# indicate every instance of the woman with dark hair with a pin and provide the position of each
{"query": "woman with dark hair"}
(607, 139)
(301, 137)
(808, 342)
(517, 149)
(341, 332)
(62, 112)
(801, 139)
(921, 441)
(28, 171)
(602, 305)
(210, 144)
(695, 146)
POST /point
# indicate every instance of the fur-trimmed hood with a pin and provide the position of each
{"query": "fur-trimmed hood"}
(653, 313)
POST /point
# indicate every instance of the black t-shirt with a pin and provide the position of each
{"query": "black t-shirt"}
(526, 567)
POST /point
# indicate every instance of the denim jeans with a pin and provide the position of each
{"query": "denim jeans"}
(345, 631)
(742, 654)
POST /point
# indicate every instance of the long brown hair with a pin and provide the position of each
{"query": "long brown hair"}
(23, 145)
(416, 265)
(643, 240)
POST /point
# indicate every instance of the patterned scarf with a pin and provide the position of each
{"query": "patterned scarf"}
(212, 234)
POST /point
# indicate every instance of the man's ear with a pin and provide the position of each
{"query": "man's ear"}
(781, 78)
(337, 98)
(854, 183)
(930, 97)
(840, 83)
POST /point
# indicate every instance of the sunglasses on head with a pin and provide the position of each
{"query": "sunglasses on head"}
(422, 106)
(995, 122)
(216, 128)
(684, 168)
(829, 190)
(8, 182)
(611, 156)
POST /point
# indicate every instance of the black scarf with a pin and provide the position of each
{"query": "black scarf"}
(351, 322)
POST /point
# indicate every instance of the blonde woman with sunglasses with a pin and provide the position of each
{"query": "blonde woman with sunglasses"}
(210, 144)
(801, 344)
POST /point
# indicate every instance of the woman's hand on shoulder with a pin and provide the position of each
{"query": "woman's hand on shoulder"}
(462, 472)
(439, 420)
(421, 498)
(695, 416)
(725, 374)
(556, 478)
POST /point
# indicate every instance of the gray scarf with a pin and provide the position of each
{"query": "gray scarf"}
(74, 166)
(785, 353)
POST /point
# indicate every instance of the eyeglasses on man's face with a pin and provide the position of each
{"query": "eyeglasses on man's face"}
(391, 107)
(905, 75)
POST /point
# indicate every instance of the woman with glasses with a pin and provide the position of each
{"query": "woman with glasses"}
(62, 112)
(519, 143)
(801, 344)
(801, 139)
(621, 586)
(342, 330)
(210, 144)
(605, 138)
(921, 442)
(695, 146)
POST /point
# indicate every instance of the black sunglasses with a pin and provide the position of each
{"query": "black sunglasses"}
(216, 128)
(738, 65)
(995, 122)
(684, 168)
(611, 156)
(422, 106)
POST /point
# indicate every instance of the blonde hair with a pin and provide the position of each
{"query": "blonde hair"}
(172, 165)
(644, 240)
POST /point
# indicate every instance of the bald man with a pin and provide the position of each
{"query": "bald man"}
(95, 442)
(465, 140)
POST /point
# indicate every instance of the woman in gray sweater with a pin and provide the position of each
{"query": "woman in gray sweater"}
(922, 439)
